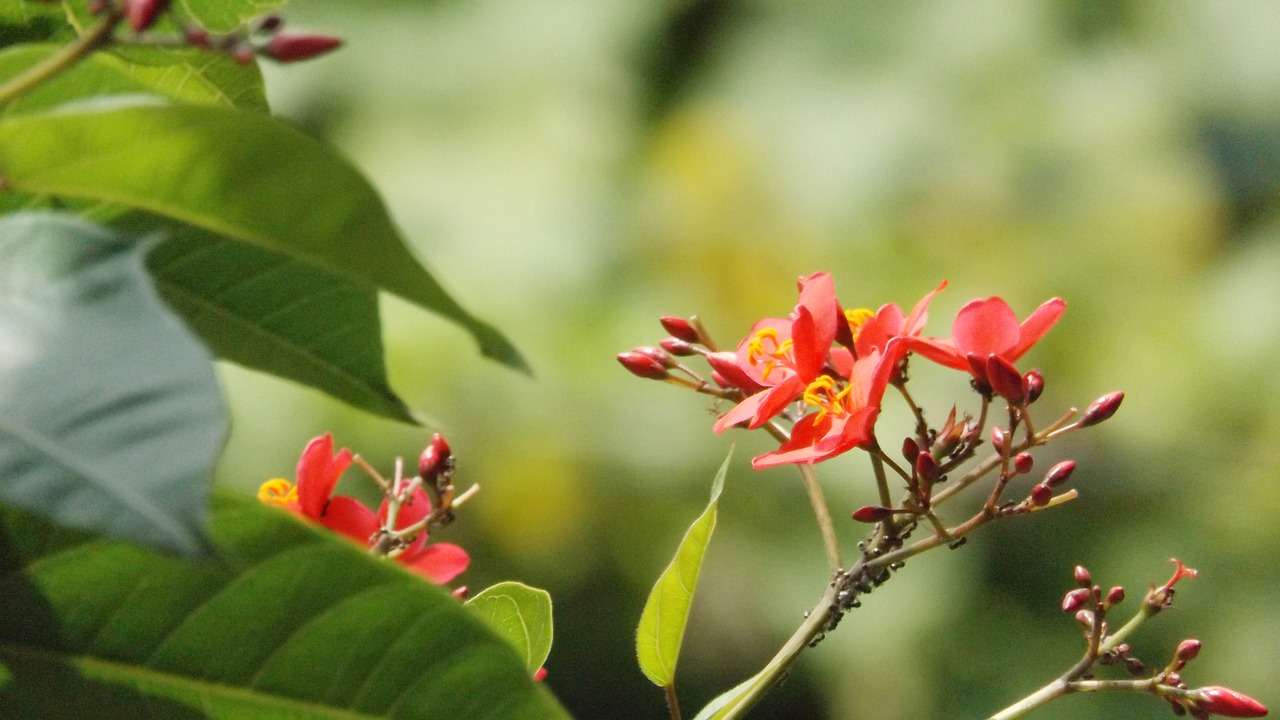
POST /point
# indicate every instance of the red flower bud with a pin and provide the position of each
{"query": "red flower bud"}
(1229, 703)
(435, 458)
(1004, 379)
(1072, 601)
(1187, 649)
(1085, 618)
(1083, 578)
(286, 47)
(1032, 386)
(540, 674)
(460, 592)
(658, 355)
(1023, 462)
(1115, 596)
(676, 346)
(642, 365)
(142, 14)
(196, 36)
(1102, 409)
(726, 364)
(910, 449)
(871, 514)
(679, 327)
(1041, 495)
(998, 437)
(1059, 473)
(926, 467)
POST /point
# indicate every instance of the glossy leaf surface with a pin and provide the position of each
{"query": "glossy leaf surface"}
(110, 414)
(666, 612)
(272, 186)
(289, 621)
(522, 615)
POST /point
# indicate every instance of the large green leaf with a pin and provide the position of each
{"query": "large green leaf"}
(110, 415)
(26, 21)
(223, 15)
(662, 624)
(522, 615)
(240, 175)
(269, 312)
(290, 621)
(187, 75)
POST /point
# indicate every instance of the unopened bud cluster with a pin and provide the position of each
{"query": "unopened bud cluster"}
(265, 37)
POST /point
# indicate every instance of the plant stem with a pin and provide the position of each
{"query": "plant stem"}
(823, 515)
(673, 704)
(62, 60)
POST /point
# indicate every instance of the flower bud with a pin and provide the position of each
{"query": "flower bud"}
(726, 364)
(1023, 462)
(1085, 619)
(926, 467)
(142, 14)
(871, 514)
(1032, 386)
(658, 355)
(642, 365)
(196, 36)
(1083, 578)
(1229, 703)
(1187, 650)
(1059, 473)
(459, 592)
(998, 439)
(1004, 379)
(269, 23)
(676, 346)
(288, 47)
(1041, 495)
(679, 327)
(1115, 596)
(435, 458)
(910, 449)
(1102, 409)
(1074, 599)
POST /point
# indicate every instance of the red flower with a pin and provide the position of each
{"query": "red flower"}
(785, 356)
(317, 475)
(888, 323)
(439, 562)
(844, 419)
(984, 328)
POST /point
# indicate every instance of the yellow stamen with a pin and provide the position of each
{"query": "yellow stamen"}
(857, 318)
(278, 491)
(822, 394)
(757, 353)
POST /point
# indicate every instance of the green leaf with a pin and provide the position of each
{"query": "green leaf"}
(224, 15)
(520, 614)
(269, 312)
(666, 612)
(25, 21)
(186, 75)
(110, 414)
(290, 621)
(239, 175)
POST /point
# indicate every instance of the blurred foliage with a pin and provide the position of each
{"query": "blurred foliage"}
(576, 169)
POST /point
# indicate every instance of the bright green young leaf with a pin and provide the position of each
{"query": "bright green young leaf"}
(661, 630)
(288, 621)
(185, 75)
(242, 176)
(110, 414)
(270, 312)
(223, 15)
(522, 615)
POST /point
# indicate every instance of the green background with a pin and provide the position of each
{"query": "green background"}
(572, 169)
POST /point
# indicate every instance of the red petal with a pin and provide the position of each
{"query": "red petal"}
(315, 482)
(805, 435)
(743, 411)
(876, 332)
(807, 346)
(348, 516)
(985, 326)
(1037, 324)
(914, 324)
(440, 562)
(818, 298)
(938, 350)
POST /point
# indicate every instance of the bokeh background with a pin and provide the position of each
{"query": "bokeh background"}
(572, 169)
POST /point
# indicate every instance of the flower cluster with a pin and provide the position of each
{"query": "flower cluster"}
(399, 528)
(827, 369)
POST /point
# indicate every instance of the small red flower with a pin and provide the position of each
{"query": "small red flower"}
(989, 327)
(784, 356)
(312, 497)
